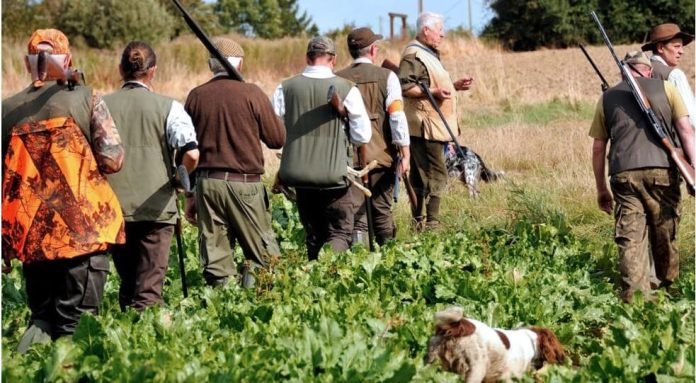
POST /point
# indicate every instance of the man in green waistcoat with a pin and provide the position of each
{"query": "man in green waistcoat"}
(420, 62)
(644, 182)
(317, 152)
(381, 92)
(152, 127)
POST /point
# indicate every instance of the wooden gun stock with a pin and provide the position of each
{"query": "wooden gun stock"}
(388, 64)
(334, 99)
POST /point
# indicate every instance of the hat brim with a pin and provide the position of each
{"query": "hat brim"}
(372, 40)
(686, 40)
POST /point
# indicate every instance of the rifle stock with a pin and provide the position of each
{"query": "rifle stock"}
(685, 168)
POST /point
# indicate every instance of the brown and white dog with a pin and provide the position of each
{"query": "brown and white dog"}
(479, 353)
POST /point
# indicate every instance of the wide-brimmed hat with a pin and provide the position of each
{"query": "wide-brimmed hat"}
(56, 39)
(363, 37)
(666, 32)
(637, 57)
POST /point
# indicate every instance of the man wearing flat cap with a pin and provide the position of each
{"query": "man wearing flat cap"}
(231, 204)
(644, 182)
(317, 153)
(381, 92)
(667, 44)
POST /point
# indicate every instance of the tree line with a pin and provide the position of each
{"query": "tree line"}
(107, 23)
(517, 25)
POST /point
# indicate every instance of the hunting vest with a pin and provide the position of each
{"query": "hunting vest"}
(56, 203)
(423, 119)
(317, 151)
(372, 82)
(660, 70)
(633, 143)
(143, 185)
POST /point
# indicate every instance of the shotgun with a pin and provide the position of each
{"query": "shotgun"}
(231, 70)
(605, 84)
(685, 168)
(426, 91)
(182, 178)
(336, 103)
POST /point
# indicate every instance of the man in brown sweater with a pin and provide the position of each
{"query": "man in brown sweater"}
(230, 201)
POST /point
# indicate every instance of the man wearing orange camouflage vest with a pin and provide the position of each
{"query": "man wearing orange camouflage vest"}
(59, 214)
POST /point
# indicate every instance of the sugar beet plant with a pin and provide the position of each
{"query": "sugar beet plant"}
(366, 317)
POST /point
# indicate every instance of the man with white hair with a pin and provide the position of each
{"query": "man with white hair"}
(420, 64)
(644, 182)
(232, 118)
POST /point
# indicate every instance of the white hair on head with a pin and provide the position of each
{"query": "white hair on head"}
(428, 19)
(216, 67)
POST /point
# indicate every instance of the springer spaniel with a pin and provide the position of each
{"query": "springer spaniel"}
(469, 169)
(479, 353)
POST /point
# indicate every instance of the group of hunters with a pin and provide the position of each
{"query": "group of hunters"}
(86, 175)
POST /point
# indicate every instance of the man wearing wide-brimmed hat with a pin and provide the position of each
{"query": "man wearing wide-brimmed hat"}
(381, 92)
(317, 152)
(232, 118)
(667, 42)
(644, 182)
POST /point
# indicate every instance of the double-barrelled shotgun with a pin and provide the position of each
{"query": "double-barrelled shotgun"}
(231, 70)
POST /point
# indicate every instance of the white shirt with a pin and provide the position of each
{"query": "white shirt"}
(358, 120)
(678, 78)
(180, 130)
(397, 120)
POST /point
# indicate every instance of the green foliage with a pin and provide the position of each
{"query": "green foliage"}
(528, 25)
(108, 23)
(264, 18)
(366, 317)
(201, 11)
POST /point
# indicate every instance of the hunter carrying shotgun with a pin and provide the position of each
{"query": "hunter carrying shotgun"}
(317, 154)
(639, 116)
(390, 140)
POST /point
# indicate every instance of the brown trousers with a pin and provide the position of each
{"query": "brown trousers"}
(142, 263)
(59, 291)
(646, 211)
(382, 187)
(327, 217)
(428, 175)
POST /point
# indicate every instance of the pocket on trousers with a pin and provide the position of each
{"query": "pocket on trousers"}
(629, 225)
(96, 278)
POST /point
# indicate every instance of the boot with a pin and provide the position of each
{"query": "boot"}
(418, 217)
(433, 212)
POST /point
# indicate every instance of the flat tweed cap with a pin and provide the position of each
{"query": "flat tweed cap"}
(637, 57)
(321, 44)
(360, 38)
(227, 47)
(664, 33)
(53, 37)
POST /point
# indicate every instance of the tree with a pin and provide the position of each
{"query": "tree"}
(527, 25)
(204, 14)
(107, 23)
(264, 18)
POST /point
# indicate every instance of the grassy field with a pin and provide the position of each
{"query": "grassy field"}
(528, 114)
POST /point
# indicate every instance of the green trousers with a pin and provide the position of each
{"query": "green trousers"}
(428, 176)
(646, 211)
(230, 212)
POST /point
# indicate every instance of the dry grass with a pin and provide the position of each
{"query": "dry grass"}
(549, 158)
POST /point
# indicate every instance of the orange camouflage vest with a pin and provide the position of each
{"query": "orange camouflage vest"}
(56, 204)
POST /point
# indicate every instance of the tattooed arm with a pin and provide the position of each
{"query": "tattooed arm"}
(106, 142)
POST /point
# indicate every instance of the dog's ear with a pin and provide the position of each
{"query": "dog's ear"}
(455, 329)
(550, 348)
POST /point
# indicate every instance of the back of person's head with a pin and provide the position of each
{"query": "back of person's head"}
(360, 41)
(639, 61)
(48, 56)
(428, 19)
(137, 58)
(228, 48)
(320, 46)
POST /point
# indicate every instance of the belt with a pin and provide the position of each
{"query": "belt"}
(227, 176)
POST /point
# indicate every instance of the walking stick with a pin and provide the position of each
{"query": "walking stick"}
(185, 182)
(426, 90)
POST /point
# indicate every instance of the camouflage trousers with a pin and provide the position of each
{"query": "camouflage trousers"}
(646, 212)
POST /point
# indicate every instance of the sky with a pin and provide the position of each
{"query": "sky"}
(328, 14)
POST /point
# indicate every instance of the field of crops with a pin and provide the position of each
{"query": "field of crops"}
(533, 250)
(365, 317)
